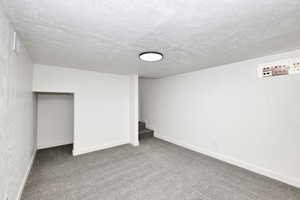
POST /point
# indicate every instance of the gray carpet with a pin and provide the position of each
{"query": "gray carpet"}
(156, 170)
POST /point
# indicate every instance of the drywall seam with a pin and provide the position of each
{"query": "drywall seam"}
(233, 161)
(98, 148)
(26, 175)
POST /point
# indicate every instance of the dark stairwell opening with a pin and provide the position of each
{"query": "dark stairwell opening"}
(144, 132)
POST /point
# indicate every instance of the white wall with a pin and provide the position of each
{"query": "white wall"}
(17, 113)
(101, 104)
(55, 119)
(134, 110)
(140, 99)
(145, 98)
(231, 114)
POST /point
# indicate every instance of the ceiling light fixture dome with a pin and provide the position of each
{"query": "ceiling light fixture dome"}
(151, 56)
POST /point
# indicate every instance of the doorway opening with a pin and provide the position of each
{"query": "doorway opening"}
(55, 119)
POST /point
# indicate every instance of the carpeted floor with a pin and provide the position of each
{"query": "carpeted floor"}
(156, 170)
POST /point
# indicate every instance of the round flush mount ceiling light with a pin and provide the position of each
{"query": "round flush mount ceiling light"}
(151, 56)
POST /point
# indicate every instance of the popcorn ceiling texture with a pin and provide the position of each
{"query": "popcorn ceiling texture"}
(108, 35)
(17, 118)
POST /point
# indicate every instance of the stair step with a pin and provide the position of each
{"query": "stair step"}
(142, 125)
(146, 133)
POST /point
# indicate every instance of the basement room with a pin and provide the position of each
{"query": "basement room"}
(149, 100)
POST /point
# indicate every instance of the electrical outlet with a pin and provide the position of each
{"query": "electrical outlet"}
(265, 70)
(278, 68)
(295, 66)
(281, 69)
(274, 69)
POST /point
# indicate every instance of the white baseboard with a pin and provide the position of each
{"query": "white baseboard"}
(288, 180)
(77, 152)
(26, 176)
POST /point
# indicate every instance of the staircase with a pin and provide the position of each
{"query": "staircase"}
(144, 132)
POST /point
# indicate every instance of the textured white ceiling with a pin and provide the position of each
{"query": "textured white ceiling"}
(108, 35)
